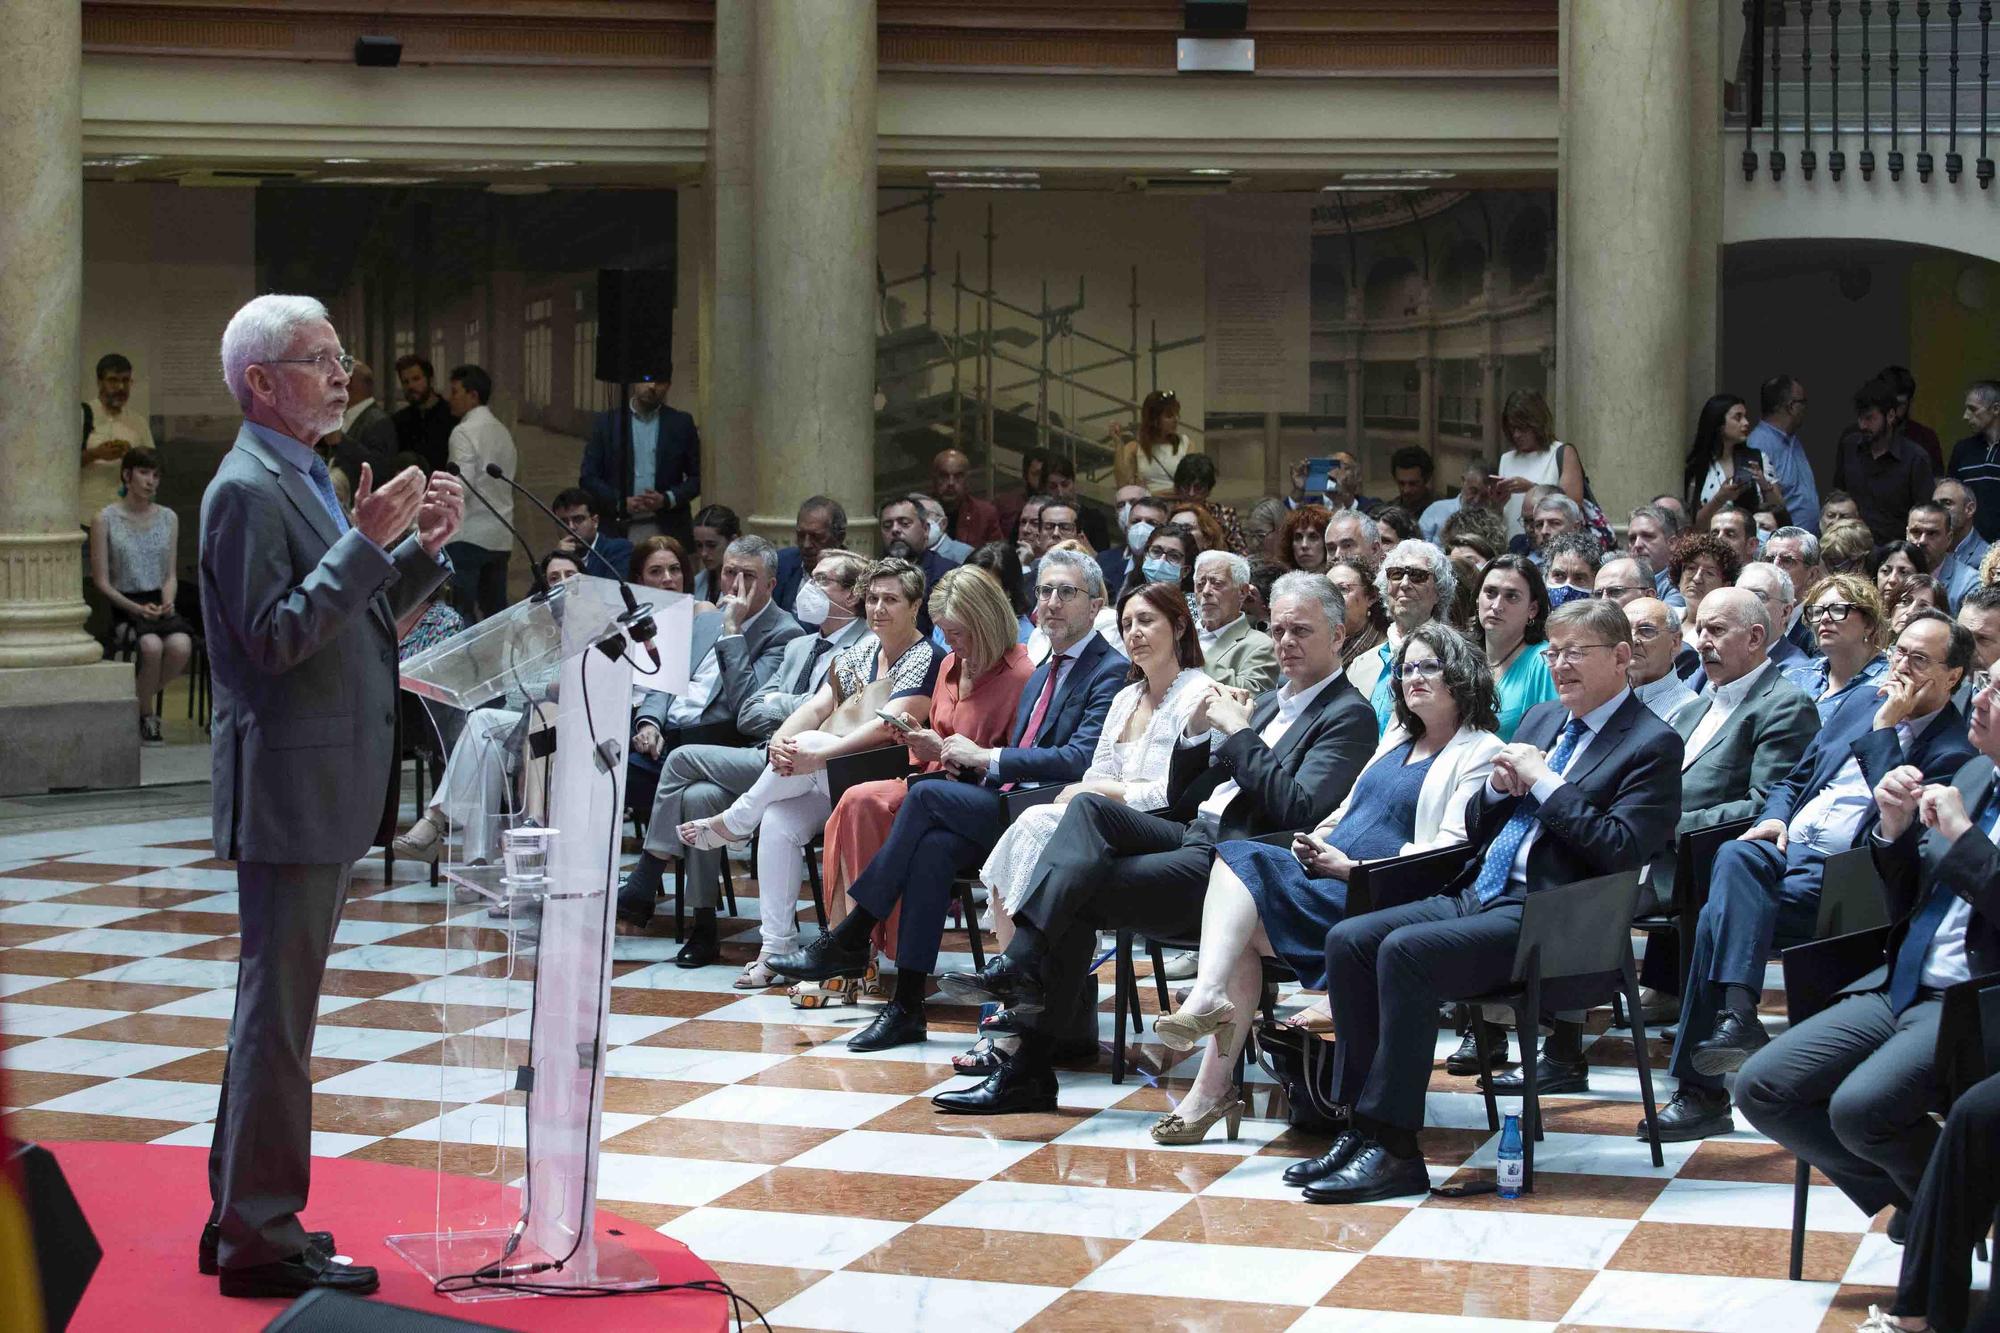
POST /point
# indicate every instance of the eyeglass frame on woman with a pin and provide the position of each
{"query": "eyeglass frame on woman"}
(319, 359)
(1834, 611)
(1424, 668)
(1408, 574)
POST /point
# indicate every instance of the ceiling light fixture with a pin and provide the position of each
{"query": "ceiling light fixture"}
(1408, 174)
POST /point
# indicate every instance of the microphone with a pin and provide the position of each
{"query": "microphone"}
(637, 620)
(473, 491)
(493, 471)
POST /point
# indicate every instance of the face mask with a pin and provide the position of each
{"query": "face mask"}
(812, 605)
(1138, 535)
(1163, 571)
(1125, 514)
(1563, 595)
(936, 533)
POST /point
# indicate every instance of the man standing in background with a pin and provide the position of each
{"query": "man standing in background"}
(1975, 460)
(423, 426)
(479, 556)
(112, 432)
(366, 434)
(1782, 402)
(646, 467)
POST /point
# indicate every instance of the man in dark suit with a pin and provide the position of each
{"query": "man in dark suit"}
(1135, 506)
(946, 828)
(600, 553)
(1590, 785)
(822, 525)
(424, 424)
(1764, 887)
(1282, 763)
(905, 533)
(1850, 1090)
(300, 611)
(644, 464)
(370, 437)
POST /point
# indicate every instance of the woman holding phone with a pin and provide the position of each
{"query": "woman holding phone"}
(1723, 469)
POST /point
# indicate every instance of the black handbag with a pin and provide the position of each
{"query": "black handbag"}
(1302, 1064)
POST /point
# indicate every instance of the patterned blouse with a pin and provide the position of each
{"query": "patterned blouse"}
(438, 623)
(915, 672)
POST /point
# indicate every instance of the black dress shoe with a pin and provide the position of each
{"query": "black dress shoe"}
(298, 1275)
(1552, 1076)
(1001, 981)
(1899, 1226)
(702, 948)
(1372, 1173)
(211, 1237)
(1469, 1059)
(1694, 1113)
(1009, 1090)
(893, 1026)
(1345, 1145)
(1734, 1041)
(821, 960)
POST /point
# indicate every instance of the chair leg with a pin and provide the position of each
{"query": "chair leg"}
(1525, 1023)
(970, 911)
(1801, 1177)
(1478, 1027)
(680, 893)
(1160, 976)
(729, 887)
(1636, 1026)
(818, 891)
(1121, 961)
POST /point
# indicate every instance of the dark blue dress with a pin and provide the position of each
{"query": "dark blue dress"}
(1297, 911)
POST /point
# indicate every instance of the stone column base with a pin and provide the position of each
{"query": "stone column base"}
(69, 727)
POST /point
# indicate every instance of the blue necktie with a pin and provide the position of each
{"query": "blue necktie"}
(1906, 974)
(1500, 854)
(323, 486)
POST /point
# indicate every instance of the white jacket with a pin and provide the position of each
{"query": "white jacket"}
(1460, 769)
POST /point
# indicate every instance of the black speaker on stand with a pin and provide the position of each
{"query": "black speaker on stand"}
(635, 340)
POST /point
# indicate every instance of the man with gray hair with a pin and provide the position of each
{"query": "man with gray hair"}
(821, 525)
(1232, 651)
(1352, 535)
(1624, 579)
(1552, 516)
(1975, 460)
(1656, 638)
(300, 606)
(1796, 551)
(939, 530)
(1649, 533)
(1968, 547)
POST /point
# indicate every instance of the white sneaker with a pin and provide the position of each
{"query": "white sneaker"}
(422, 842)
(1181, 966)
(1880, 1321)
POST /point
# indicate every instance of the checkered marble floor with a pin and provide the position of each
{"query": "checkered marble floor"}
(822, 1184)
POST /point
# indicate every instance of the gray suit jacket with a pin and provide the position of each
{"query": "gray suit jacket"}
(1243, 657)
(766, 710)
(747, 661)
(1757, 746)
(301, 630)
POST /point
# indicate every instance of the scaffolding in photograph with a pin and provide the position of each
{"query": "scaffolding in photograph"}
(1014, 379)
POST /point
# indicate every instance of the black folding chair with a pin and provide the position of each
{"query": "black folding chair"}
(1012, 806)
(1815, 974)
(1694, 861)
(1574, 952)
(1850, 896)
(847, 771)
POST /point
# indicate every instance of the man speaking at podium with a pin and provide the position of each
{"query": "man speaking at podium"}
(300, 607)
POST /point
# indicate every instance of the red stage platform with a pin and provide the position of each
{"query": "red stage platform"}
(147, 1203)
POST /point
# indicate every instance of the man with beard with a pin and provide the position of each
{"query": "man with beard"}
(645, 463)
(906, 533)
(1885, 474)
(112, 433)
(423, 426)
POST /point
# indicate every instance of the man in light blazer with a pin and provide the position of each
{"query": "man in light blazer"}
(300, 611)
(1233, 651)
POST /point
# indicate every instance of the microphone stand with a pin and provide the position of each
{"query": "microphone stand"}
(473, 491)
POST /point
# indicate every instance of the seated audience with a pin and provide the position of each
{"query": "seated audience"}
(1395, 523)
(937, 530)
(1272, 902)
(1968, 545)
(1650, 533)
(1232, 652)
(1302, 541)
(1850, 1091)
(1569, 565)
(1737, 528)
(1838, 507)
(715, 526)
(1029, 540)
(1796, 551)
(1770, 586)
(1196, 518)
(1235, 771)
(1845, 548)
(1550, 517)
(821, 526)
(1513, 618)
(431, 624)
(998, 560)
(1257, 601)
(1921, 592)
(1169, 558)
(1764, 887)
(906, 536)
(1892, 565)
(1353, 535)
(1591, 786)
(602, 554)
(1060, 483)
(1656, 639)
(1929, 526)
(1106, 623)
(1473, 493)
(1624, 579)
(1194, 479)
(1417, 584)
(967, 518)
(1979, 615)
(1260, 529)
(1846, 618)
(1138, 517)
(1480, 529)
(132, 546)
(1701, 563)
(1366, 626)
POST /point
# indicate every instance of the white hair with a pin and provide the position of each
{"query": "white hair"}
(1315, 588)
(1239, 568)
(1781, 581)
(1371, 531)
(1444, 575)
(262, 331)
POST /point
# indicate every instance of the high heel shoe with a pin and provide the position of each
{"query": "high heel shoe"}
(707, 835)
(1181, 1030)
(1174, 1131)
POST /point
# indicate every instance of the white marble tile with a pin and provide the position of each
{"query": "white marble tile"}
(493, 1122)
(1878, 1262)
(101, 1059)
(326, 1143)
(1595, 1155)
(120, 943)
(1543, 1240)
(687, 1064)
(756, 1007)
(164, 858)
(371, 932)
(404, 958)
(207, 973)
(938, 1156)
(221, 903)
(1221, 1272)
(686, 1182)
(34, 890)
(421, 892)
(935, 1051)
(1332, 1319)
(333, 1042)
(1747, 1204)
(1708, 1304)
(15, 983)
(1263, 1178)
(1062, 1210)
(145, 1098)
(623, 1029)
(98, 838)
(1133, 1129)
(484, 992)
(671, 976)
(806, 1108)
(418, 1083)
(190, 1136)
(184, 877)
(70, 916)
(878, 1301)
(789, 1240)
(647, 948)
(51, 1020)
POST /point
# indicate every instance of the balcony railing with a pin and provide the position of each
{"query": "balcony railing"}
(1859, 83)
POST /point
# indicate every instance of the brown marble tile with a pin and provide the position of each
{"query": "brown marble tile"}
(357, 985)
(1174, 1170)
(416, 914)
(83, 872)
(1116, 1312)
(1850, 1307)
(204, 1067)
(132, 997)
(434, 936)
(718, 1140)
(1453, 1287)
(224, 924)
(411, 1016)
(31, 1125)
(464, 1051)
(54, 963)
(133, 895)
(789, 1189)
(160, 1030)
(653, 1215)
(771, 1038)
(25, 1087)
(1596, 1117)
(764, 1286)
(1278, 1223)
(672, 1003)
(343, 1113)
(1723, 1251)
(837, 1075)
(479, 1161)
(223, 950)
(1615, 1052)
(1725, 1159)
(918, 1116)
(196, 845)
(1561, 1192)
(988, 1256)
(15, 933)
(650, 1096)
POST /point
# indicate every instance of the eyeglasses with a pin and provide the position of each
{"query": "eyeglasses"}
(1407, 574)
(318, 359)
(1426, 668)
(1833, 611)
(1166, 553)
(1643, 633)
(1058, 592)
(1613, 591)
(1060, 529)
(1917, 661)
(1570, 656)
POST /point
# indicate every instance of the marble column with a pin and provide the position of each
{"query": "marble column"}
(1490, 446)
(1623, 191)
(726, 321)
(1707, 162)
(813, 209)
(1356, 383)
(1427, 410)
(69, 719)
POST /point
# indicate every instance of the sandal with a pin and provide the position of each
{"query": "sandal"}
(757, 976)
(708, 835)
(983, 1058)
(1316, 1018)
(836, 991)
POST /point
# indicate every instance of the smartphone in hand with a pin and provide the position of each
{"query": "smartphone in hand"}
(896, 720)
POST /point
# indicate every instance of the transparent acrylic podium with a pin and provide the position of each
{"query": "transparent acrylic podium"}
(537, 714)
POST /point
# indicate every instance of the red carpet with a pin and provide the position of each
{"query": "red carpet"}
(146, 1204)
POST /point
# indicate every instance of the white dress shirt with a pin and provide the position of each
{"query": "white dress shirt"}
(1208, 637)
(1065, 663)
(1828, 822)
(1946, 964)
(1593, 722)
(1292, 701)
(1724, 700)
(480, 438)
(688, 706)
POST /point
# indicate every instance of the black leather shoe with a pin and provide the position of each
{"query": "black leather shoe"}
(211, 1237)
(1345, 1145)
(1694, 1113)
(893, 1026)
(1009, 1090)
(298, 1275)
(1372, 1173)
(702, 948)
(1551, 1077)
(1001, 981)
(1467, 1059)
(1899, 1226)
(821, 960)
(1734, 1041)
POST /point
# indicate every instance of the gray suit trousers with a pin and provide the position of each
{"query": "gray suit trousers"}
(697, 781)
(260, 1160)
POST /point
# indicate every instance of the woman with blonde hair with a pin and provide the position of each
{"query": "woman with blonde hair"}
(1844, 613)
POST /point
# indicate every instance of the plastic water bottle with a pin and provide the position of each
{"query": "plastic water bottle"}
(1510, 1169)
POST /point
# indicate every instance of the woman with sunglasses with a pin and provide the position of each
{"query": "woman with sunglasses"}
(1845, 617)
(1417, 584)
